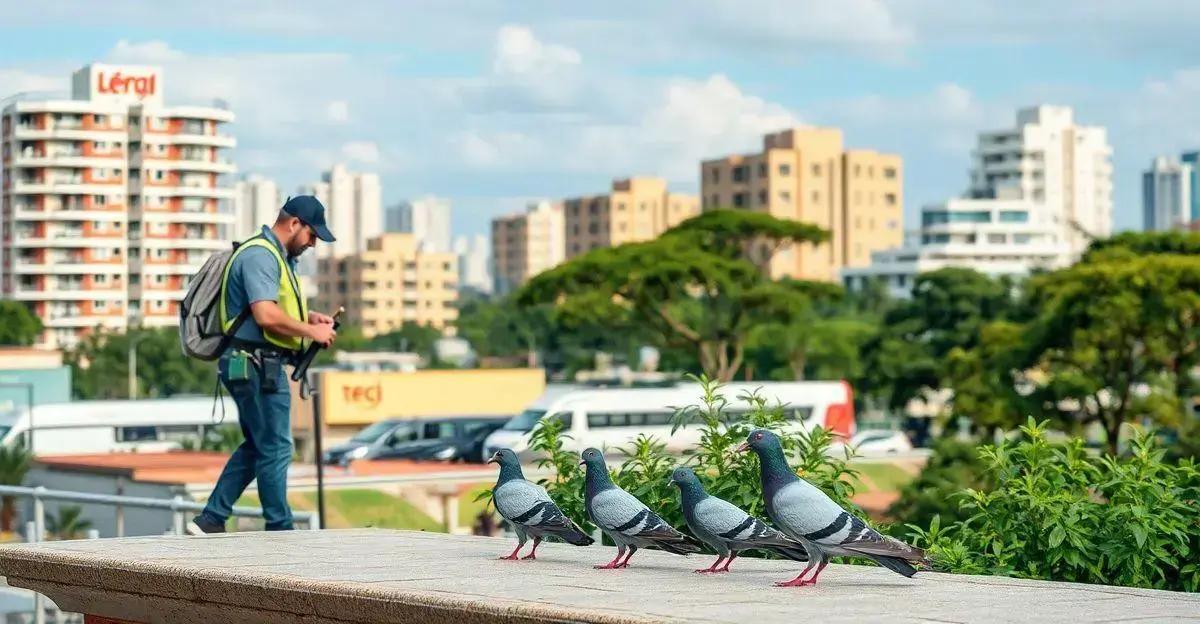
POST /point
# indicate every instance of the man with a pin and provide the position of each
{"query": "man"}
(264, 311)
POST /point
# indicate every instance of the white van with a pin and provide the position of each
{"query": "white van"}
(613, 418)
(144, 425)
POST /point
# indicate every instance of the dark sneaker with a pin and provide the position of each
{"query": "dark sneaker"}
(200, 526)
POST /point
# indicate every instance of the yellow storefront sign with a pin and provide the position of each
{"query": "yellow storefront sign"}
(361, 398)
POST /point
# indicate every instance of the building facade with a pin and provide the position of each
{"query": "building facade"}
(1063, 168)
(997, 237)
(474, 263)
(1167, 195)
(111, 201)
(427, 218)
(806, 174)
(1192, 159)
(256, 202)
(353, 209)
(527, 243)
(635, 209)
(391, 283)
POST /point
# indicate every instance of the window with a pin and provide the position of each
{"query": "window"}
(816, 196)
(159, 175)
(785, 197)
(785, 169)
(1014, 216)
(100, 174)
(403, 433)
(762, 170)
(101, 278)
(889, 173)
(716, 201)
(762, 198)
(620, 206)
(739, 174)
(438, 430)
(739, 200)
(995, 238)
(716, 175)
(816, 169)
(136, 434)
(99, 305)
(98, 120)
(889, 199)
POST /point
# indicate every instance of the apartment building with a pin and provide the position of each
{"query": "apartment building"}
(110, 201)
(427, 218)
(635, 209)
(257, 201)
(1061, 166)
(390, 283)
(806, 174)
(526, 243)
(1169, 195)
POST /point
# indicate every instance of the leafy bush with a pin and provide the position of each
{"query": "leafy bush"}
(1057, 513)
(725, 472)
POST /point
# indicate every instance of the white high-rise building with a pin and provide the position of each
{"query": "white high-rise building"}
(256, 202)
(1064, 169)
(1167, 195)
(474, 259)
(112, 200)
(353, 209)
(427, 218)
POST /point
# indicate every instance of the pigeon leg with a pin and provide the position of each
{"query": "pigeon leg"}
(533, 553)
(713, 567)
(733, 555)
(813, 580)
(513, 555)
(612, 565)
(625, 564)
(799, 580)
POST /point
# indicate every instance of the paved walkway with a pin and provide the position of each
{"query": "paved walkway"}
(365, 575)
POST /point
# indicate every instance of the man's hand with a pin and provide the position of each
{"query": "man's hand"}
(316, 318)
(322, 332)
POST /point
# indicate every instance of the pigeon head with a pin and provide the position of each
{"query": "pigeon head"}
(684, 477)
(593, 458)
(504, 457)
(761, 441)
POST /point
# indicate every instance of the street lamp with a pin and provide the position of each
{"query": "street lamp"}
(28, 404)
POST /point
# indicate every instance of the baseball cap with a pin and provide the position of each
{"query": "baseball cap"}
(310, 211)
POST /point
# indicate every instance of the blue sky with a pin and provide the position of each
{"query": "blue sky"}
(493, 104)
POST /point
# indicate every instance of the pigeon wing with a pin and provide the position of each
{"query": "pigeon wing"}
(618, 511)
(526, 503)
(804, 512)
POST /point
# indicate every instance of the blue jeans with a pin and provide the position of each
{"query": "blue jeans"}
(266, 422)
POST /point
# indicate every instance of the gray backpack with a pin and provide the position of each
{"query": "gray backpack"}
(200, 333)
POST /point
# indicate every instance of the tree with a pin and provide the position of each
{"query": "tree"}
(221, 439)
(14, 465)
(1116, 340)
(691, 287)
(1133, 244)
(18, 326)
(68, 523)
(948, 310)
(100, 366)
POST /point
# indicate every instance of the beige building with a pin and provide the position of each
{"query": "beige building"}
(389, 284)
(636, 209)
(807, 175)
(525, 244)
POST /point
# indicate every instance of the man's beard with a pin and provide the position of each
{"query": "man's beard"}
(294, 252)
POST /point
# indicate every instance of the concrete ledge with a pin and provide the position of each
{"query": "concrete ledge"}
(367, 575)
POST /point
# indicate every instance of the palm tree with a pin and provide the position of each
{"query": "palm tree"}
(68, 524)
(14, 464)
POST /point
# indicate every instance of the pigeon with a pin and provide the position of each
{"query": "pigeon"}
(625, 519)
(725, 527)
(806, 514)
(529, 509)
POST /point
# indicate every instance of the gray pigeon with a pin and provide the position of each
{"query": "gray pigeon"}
(625, 519)
(725, 527)
(808, 515)
(529, 508)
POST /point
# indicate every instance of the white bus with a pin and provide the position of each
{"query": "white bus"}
(82, 427)
(613, 418)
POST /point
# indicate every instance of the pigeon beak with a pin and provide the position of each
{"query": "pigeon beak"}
(744, 447)
(581, 462)
(494, 460)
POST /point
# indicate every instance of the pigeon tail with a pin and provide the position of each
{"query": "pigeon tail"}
(796, 553)
(573, 535)
(895, 564)
(685, 546)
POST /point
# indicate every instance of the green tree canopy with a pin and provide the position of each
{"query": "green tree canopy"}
(100, 366)
(691, 286)
(18, 325)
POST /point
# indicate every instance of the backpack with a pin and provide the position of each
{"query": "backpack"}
(200, 333)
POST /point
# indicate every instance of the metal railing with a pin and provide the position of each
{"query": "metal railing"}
(178, 506)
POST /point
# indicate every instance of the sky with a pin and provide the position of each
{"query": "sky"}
(494, 104)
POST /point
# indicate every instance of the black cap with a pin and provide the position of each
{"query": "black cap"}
(310, 211)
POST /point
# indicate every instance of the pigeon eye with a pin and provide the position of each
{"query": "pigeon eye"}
(758, 436)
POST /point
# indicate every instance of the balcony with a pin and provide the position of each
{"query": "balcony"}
(70, 133)
(66, 159)
(208, 140)
(187, 164)
(72, 186)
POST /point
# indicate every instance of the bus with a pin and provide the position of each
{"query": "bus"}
(81, 427)
(614, 418)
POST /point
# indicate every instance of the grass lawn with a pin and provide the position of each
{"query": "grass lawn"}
(469, 509)
(356, 508)
(882, 476)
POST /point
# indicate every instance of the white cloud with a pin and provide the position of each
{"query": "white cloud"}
(155, 51)
(339, 111)
(365, 152)
(526, 75)
(519, 53)
(19, 81)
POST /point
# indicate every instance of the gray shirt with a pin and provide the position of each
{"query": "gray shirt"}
(254, 276)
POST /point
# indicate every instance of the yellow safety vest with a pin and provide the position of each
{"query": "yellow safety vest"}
(290, 299)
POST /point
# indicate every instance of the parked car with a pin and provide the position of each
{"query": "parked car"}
(446, 439)
(880, 442)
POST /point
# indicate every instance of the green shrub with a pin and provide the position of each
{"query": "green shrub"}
(1057, 513)
(953, 466)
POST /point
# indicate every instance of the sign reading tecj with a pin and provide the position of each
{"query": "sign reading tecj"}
(119, 84)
